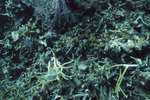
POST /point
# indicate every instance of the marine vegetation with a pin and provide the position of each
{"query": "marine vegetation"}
(74, 49)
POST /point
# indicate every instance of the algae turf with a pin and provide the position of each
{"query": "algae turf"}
(74, 49)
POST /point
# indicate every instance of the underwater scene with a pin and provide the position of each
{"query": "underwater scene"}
(74, 49)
